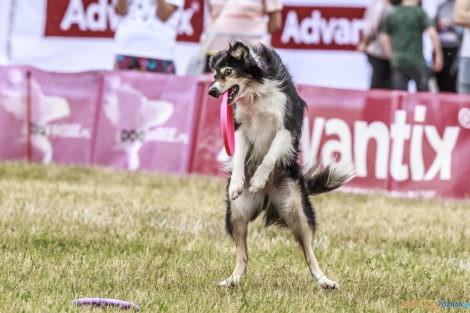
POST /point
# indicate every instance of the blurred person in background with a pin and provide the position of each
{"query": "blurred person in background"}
(247, 20)
(402, 37)
(146, 34)
(450, 37)
(462, 18)
(374, 18)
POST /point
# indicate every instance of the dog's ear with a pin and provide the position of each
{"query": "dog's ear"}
(213, 60)
(239, 51)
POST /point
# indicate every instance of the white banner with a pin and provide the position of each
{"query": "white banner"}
(76, 35)
(30, 46)
(4, 28)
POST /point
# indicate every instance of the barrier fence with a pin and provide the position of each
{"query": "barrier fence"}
(408, 144)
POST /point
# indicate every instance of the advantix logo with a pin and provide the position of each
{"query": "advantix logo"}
(332, 28)
(97, 18)
(392, 143)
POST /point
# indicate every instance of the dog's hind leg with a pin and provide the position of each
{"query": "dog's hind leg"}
(239, 213)
(240, 231)
(293, 205)
(304, 237)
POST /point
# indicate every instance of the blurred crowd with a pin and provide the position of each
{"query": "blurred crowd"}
(393, 42)
(393, 38)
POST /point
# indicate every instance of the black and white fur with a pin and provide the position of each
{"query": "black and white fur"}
(265, 173)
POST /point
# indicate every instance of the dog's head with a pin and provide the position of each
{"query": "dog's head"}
(236, 70)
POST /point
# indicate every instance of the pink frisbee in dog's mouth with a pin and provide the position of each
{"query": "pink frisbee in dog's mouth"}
(103, 302)
(227, 125)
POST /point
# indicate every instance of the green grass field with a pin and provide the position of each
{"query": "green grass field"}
(160, 242)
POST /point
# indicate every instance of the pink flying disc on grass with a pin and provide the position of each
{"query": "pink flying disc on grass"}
(103, 302)
(227, 125)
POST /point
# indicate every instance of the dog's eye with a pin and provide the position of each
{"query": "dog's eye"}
(228, 71)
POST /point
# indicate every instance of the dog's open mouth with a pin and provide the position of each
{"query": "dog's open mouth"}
(232, 93)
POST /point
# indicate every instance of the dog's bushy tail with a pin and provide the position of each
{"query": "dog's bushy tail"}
(330, 177)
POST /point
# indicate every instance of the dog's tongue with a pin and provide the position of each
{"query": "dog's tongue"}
(227, 125)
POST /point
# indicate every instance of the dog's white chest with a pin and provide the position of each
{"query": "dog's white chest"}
(262, 120)
(259, 129)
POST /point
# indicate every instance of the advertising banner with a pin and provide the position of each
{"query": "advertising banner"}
(408, 144)
(317, 40)
(146, 121)
(80, 18)
(431, 146)
(13, 140)
(320, 28)
(61, 109)
(77, 35)
(97, 19)
(349, 125)
(209, 153)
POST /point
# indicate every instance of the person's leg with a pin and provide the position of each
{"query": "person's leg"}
(380, 72)
(464, 76)
(447, 78)
(387, 74)
(399, 80)
(421, 76)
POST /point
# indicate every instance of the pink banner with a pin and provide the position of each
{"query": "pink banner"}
(408, 144)
(337, 125)
(62, 114)
(435, 131)
(12, 113)
(63, 111)
(146, 121)
(209, 152)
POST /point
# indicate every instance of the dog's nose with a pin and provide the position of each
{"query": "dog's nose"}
(213, 92)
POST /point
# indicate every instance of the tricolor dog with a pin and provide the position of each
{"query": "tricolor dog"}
(265, 173)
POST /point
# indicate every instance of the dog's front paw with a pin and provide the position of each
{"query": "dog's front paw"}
(259, 179)
(229, 282)
(325, 283)
(257, 183)
(235, 189)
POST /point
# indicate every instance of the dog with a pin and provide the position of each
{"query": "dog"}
(265, 174)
